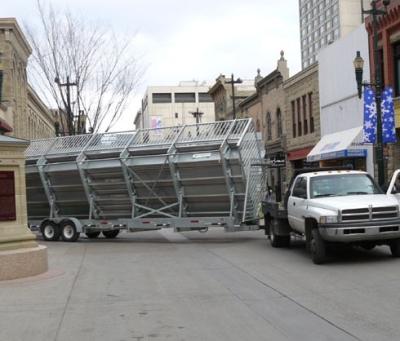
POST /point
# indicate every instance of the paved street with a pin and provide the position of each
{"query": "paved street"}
(214, 286)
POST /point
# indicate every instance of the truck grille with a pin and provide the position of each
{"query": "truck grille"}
(371, 213)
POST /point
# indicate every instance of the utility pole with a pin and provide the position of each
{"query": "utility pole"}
(197, 115)
(233, 82)
(70, 115)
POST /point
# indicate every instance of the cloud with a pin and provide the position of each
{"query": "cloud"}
(184, 40)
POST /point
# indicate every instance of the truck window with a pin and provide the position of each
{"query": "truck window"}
(300, 188)
(342, 184)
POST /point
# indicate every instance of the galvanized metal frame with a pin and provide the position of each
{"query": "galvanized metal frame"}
(220, 136)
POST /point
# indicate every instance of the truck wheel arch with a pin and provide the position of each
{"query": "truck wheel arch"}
(310, 224)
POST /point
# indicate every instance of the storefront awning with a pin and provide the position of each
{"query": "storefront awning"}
(343, 144)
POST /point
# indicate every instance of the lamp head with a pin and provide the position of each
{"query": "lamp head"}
(358, 62)
(386, 3)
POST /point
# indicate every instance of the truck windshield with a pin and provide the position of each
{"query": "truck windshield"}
(342, 184)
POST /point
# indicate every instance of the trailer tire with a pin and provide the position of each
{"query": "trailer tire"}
(276, 240)
(395, 248)
(92, 235)
(69, 232)
(110, 234)
(317, 247)
(50, 231)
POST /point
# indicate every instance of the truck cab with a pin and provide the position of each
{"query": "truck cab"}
(329, 207)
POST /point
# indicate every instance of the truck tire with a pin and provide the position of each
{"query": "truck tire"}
(110, 234)
(395, 248)
(276, 240)
(317, 247)
(68, 231)
(50, 231)
(92, 235)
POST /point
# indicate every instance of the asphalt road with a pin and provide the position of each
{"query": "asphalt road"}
(192, 286)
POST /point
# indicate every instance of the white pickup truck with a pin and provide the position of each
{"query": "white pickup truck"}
(336, 206)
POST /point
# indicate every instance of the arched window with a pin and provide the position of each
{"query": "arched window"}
(269, 128)
(278, 122)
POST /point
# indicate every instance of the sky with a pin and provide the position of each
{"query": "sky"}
(180, 40)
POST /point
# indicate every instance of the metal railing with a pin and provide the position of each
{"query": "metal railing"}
(155, 136)
(109, 141)
(38, 148)
(255, 183)
(195, 133)
(69, 144)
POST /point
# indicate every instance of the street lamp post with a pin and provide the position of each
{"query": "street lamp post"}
(358, 66)
(233, 82)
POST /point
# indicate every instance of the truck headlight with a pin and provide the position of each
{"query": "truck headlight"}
(329, 219)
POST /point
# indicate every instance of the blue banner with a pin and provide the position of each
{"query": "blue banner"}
(369, 115)
(388, 119)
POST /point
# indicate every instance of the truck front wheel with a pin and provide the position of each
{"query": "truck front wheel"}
(395, 248)
(317, 247)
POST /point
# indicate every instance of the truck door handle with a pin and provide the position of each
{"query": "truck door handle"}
(294, 204)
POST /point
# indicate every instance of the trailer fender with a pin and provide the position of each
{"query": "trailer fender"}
(77, 223)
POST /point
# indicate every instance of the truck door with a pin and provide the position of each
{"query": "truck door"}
(394, 186)
(296, 204)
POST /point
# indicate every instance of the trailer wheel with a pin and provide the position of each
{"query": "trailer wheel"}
(276, 240)
(50, 231)
(92, 235)
(395, 248)
(317, 247)
(68, 231)
(110, 234)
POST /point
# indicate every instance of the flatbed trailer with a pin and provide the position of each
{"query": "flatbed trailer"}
(187, 177)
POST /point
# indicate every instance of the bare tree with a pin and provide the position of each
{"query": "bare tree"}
(99, 66)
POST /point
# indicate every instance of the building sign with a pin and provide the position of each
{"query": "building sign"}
(155, 122)
(7, 196)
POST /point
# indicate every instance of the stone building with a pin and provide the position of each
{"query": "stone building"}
(302, 119)
(22, 113)
(221, 94)
(267, 108)
(272, 98)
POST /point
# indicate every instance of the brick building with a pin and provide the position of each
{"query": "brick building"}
(389, 57)
(221, 94)
(302, 119)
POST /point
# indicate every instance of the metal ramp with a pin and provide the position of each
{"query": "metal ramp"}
(185, 177)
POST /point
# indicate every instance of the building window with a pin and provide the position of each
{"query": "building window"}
(269, 128)
(305, 122)
(299, 131)
(162, 98)
(204, 97)
(279, 122)
(293, 119)
(185, 97)
(396, 55)
(310, 112)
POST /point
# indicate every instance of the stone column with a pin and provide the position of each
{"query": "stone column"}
(20, 255)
